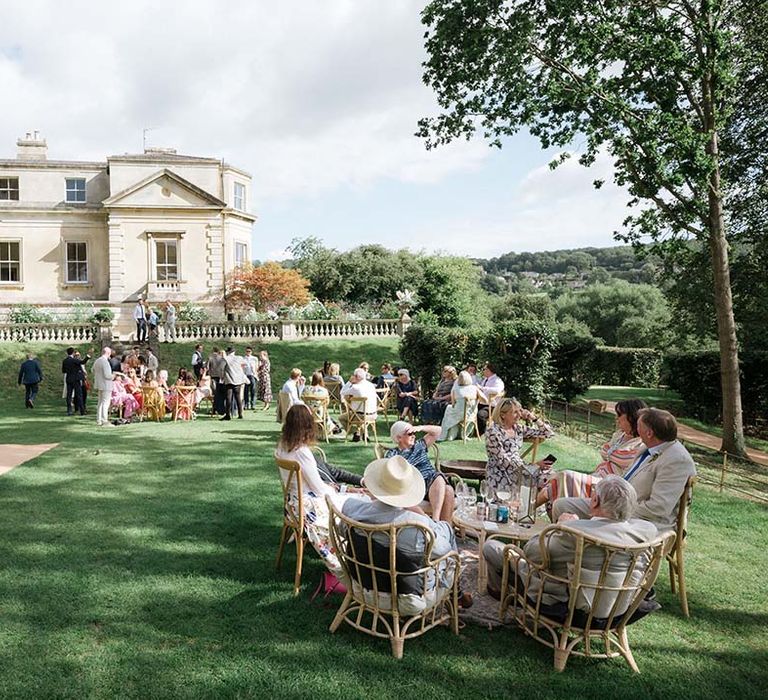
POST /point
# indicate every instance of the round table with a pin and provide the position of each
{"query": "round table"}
(485, 530)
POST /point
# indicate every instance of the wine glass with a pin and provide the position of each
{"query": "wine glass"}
(502, 494)
(484, 487)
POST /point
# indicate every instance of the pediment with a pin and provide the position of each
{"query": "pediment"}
(167, 190)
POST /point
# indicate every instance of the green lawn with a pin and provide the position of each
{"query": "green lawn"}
(139, 562)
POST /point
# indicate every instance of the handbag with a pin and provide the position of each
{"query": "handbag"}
(329, 585)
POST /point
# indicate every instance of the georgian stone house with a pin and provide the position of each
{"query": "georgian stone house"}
(157, 225)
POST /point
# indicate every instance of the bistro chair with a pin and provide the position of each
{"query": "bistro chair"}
(392, 593)
(334, 393)
(357, 418)
(383, 398)
(601, 602)
(293, 515)
(283, 404)
(319, 408)
(675, 557)
(184, 405)
(153, 403)
(469, 421)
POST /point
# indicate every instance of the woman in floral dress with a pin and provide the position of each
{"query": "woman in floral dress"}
(264, 392)
(504, 440)
(616, 456)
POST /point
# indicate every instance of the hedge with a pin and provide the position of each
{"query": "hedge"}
(626, 366)
(696, 377)
(425, 349)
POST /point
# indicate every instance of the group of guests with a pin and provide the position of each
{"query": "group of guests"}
(630, 497)
(147, 321)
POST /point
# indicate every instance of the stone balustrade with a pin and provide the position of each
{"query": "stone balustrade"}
(48, 332)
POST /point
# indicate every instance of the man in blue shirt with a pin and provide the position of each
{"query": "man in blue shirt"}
(438, 491)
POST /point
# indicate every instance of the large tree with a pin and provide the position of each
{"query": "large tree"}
(653, 83)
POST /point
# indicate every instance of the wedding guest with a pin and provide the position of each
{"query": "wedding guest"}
(407, 394)
(30, 375)
(264, 379)
(461, 392)
(251, 368)
(169, 319)
(433, 409)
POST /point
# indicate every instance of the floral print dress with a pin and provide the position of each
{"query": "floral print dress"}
(505, 465)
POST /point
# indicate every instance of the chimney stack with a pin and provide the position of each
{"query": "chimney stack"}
(32, 147)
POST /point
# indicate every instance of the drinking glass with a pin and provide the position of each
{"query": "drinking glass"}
(484, 489)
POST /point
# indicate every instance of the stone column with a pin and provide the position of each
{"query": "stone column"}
(214, 257)
(117, 291)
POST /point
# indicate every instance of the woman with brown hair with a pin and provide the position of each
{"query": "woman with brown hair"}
(296, 441)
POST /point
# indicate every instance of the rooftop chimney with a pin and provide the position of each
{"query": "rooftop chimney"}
(32, 147)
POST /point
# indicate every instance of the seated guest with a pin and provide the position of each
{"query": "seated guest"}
(461, 392)
(612, 506)
(504, 440)
(472, 369)
(492, 386)
(385, 377)
(296, 440)
(359, 386)
(185, 379)
(365, 366)
(616, 456)
(396, 489)
(162, 380)
(437, 490)
(316, 390)
(432, 410)
(121, 399)
(293, 386)
(407, 395)
(659, 474)
(333, 373)
(204, 390)
(151, 383)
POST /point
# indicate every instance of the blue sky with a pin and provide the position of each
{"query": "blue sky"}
(319, 101)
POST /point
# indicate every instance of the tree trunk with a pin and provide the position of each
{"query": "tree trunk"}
(733, 425)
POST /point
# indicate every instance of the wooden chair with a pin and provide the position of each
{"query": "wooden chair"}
(390, 594)
(675, 556)
(153, 403)
(334, 394)
(493, 397)
(357, 418)
(283, 404)
(469, 421)
(293, 515)
(383, 398)
(319, 408)
(601, 602)
(184, 404)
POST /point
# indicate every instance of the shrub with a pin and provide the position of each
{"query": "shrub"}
(191, 313)
(626, 366)
(695, 376)
(79, 312)
(103, 316)
(573, 361)
(424, 350)
(26, 313)
(521, 352)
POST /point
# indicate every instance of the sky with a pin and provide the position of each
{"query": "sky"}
(319, 101)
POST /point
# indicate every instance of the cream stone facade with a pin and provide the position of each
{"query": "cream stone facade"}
(156, 225)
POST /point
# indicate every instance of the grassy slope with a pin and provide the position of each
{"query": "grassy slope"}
(140, 563)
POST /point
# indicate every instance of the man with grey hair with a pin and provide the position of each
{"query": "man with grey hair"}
(102, 382)
(612, 506)
(359, 386)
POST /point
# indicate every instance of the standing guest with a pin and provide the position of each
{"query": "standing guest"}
(198, 363)
(234, 379)
(115, 363)
(294, 386)
(504, 440)
(492, 386)
(102, 380)
(30, 375)
(659, 474)
(432, 410)
(461, 392)
(407, 395)
(250, 367)
(265, 380)
(152, 321)
(216, 367)
(359, 386)
(437, 490)
(140, 316)
(84, 383)
(141, 367)
(151, 360)
(71, 368)
(169, 319)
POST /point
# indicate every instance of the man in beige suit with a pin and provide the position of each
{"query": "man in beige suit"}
(102, 382)
(611, 507)
(658, 475)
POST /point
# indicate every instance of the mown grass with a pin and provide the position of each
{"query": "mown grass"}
(139, 562)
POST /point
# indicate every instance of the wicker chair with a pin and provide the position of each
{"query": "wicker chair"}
(153, 403)
(293, 515)
(675, 555)
(357, 418)
(601, 603)
(385, 588)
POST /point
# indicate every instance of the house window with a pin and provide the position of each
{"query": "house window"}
(239, 196)
(77, 261)
(9, 188)
(10, 261)
(76, 189)
(166, 260)
(241, 254)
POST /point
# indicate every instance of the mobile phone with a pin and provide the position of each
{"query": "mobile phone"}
(550, 458)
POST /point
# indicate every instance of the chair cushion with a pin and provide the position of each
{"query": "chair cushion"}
(586, 593)
(408, 604)
(404, 563)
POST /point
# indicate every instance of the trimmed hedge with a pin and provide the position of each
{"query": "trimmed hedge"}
(696, 377)
(626, 366)
(425, 349)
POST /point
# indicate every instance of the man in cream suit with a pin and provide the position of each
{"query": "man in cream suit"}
(102, 381)
(658, 475)
(611, 507)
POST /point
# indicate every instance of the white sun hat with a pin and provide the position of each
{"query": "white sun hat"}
(394, 481)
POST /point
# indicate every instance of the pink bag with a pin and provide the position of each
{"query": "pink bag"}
(328, 586)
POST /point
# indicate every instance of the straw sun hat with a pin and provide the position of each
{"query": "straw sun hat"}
(394, 481)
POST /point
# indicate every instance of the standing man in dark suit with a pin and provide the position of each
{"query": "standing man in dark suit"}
(72, 369)
(30, 375)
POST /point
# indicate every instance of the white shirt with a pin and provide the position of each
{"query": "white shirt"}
(364, 389)
(291, 388)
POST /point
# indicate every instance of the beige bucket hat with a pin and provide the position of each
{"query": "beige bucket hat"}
(394, 481)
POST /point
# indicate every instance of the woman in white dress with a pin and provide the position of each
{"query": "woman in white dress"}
(296, 440)
(463, 390)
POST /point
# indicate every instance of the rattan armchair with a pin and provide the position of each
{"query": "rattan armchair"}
(601, 602)
(389, 594)
(293, 515)
(675, 557)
